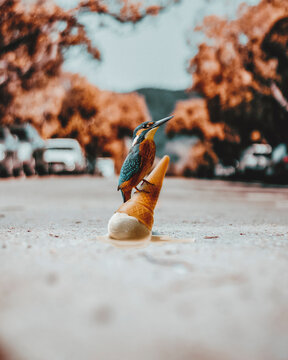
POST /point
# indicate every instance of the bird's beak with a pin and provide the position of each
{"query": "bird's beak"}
(152, 131)
(161, 122)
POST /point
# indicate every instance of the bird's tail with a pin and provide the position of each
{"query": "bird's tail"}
(126, 194)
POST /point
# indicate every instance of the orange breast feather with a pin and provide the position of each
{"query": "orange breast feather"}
(147, 153)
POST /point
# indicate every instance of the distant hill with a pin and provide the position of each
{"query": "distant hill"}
(161, 103)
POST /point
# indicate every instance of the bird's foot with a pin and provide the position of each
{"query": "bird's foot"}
(147, 182)
(140, 190)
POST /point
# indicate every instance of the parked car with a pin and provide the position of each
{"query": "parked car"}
(255, 160)
(278, 168)
(105, 167)
(10, 164)
(224, 172)
(64, 156)
(31, 148)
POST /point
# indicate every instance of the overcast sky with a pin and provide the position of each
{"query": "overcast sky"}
(153, 53)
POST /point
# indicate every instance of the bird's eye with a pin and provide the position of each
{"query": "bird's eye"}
(145, 126)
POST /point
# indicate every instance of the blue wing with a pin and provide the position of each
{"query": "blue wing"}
(131, 165)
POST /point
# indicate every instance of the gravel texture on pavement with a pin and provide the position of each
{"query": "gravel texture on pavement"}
(66, 295)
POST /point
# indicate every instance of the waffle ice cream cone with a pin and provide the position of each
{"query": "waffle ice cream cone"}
(136, 216)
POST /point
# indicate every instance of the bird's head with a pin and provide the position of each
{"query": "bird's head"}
(147, 130)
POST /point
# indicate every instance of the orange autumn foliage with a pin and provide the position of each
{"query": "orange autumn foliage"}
(126, 10)
(69, 106)
(236, 66)
(192, 117)
(33, 87)
(100, 120)
(201, 160)
(237, 71)
(33, 37)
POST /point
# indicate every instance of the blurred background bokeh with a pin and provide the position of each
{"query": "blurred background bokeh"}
(88, 72)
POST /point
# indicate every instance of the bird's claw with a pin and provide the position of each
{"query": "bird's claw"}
(140, 190)
(147, 182)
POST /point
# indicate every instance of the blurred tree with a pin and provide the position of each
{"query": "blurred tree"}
(100, 120)
(237, 71)
(126, 10)
(192, 118)
(33, 38)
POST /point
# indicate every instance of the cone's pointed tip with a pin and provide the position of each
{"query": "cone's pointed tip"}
(164, 162)
(158, 173)
(165, 158)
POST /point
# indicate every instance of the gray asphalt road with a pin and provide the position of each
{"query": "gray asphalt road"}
(66, 295)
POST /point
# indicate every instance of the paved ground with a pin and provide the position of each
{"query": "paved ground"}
(65, 295)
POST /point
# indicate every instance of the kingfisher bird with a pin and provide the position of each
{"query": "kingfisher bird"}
(140, 158)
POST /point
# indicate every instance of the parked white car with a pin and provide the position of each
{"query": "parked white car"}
(105, 166)
(255, 160)
(10, 163)
(31, 147)
(64, 156)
